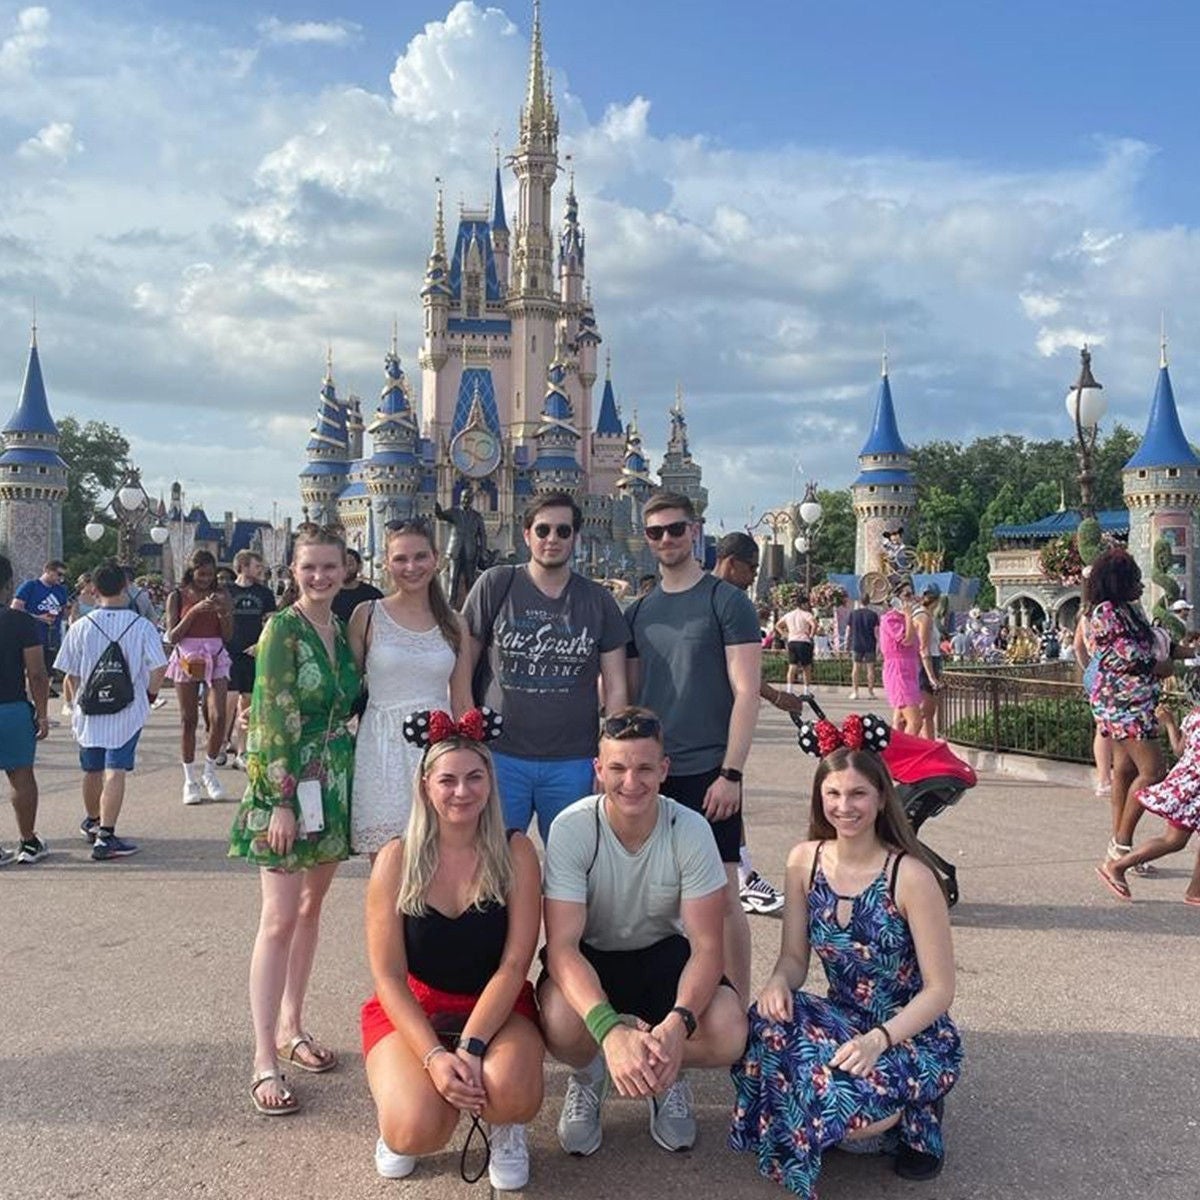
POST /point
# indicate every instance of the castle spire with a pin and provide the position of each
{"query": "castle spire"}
(535, 90)
(1164, 443)
(609, 422)
(1162, 340)
(439, 225)
(499, 222)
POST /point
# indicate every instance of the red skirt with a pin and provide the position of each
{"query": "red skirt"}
(376, 1024)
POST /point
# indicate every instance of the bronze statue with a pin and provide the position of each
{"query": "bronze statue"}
(467, 550)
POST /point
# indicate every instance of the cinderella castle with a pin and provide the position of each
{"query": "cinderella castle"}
(508, 366)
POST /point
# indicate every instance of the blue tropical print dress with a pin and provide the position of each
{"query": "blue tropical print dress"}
(791, 1105)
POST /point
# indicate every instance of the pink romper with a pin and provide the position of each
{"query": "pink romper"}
(901, 663)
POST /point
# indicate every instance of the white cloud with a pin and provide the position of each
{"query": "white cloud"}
(55, 141)
(324, 33)
(208, 272)
(19, 50)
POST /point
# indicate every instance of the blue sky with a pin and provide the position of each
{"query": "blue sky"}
(200, 194)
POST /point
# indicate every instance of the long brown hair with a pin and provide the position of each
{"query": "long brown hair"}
(443, 614)
(891, 824)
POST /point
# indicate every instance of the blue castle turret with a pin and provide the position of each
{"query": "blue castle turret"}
(1161, 483)
(885, 493)
(393, 472)
(322, 481)
(556, 464)
(33, 478)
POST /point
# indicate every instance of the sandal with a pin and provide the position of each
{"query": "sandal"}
(325, 1059)
(1118, 887)
(288, 1103)
(1193, 900)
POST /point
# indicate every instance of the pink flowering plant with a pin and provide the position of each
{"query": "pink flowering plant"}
(1060, 560)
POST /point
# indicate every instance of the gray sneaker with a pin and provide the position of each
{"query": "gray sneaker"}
(672, 1124)
(579, 1130)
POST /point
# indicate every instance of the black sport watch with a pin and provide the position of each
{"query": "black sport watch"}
(730, 773)
(474, 1046)
(688, 1018)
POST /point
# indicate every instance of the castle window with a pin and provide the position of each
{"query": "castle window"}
(1172, 472)
(1141, 473)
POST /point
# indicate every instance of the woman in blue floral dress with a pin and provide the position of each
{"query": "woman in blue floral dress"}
(294, 822)
(1126, 688)
(880, 1052)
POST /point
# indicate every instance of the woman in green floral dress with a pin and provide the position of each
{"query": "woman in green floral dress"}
(298, 746)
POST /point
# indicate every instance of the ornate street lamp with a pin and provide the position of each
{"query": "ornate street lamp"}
(127, 509)
(811, 513)
(1086, 406)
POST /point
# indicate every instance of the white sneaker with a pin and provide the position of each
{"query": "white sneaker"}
(508, 1167)
(191, 792)
(66, 710)
(853, 694)
(391, 1165)
(239, 762)
(212, 785)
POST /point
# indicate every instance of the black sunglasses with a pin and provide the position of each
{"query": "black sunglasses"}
(409, 525)
(632, 726)
(542, 530)
(675, 529)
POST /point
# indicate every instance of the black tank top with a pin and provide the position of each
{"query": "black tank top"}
(456, 955)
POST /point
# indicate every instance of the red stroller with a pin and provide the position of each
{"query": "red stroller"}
(929, 778)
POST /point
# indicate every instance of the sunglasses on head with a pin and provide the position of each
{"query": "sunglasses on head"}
(633, 726)
(543, 530)
(409, 525)
(675, 529)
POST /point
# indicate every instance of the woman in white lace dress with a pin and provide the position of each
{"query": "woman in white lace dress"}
(413, 647)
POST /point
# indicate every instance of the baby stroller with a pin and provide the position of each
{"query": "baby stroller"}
(929, 778)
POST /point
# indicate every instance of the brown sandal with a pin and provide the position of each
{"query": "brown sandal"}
(326, 1059)
(288, 1102)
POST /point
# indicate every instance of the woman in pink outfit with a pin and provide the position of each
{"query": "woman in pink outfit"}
(901, 652)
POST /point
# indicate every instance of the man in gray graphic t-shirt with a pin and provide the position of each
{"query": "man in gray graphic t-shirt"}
(549, 635)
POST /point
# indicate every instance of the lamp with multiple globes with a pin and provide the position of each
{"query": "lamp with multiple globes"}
(1086, 407)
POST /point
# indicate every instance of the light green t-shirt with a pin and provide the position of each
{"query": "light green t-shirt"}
(632, 899)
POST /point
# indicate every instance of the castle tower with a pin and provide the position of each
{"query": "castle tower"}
(354, 427)
(532, 300)
(608, 440)
(679, 471)
(435, 299)
(500, 231)
(885, 491)
(556, 466)
(1161, 483)
(393, 472)
(322, 481)
(33, 478)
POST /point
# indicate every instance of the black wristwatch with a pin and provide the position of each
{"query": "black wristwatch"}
(688, 1018)
(730, 773)
(474, 1046)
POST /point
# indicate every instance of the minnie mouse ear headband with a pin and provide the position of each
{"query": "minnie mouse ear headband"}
(430, 726)
(823, 737)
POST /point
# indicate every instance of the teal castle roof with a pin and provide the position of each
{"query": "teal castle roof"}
(1164, 444)
(32, 413)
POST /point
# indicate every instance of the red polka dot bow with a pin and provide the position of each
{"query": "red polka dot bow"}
(823, 737)
(431, 726)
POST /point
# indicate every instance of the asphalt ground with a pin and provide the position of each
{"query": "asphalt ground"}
(127, 1051)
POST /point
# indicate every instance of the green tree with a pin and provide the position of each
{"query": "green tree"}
(834, 550)
(97, 457)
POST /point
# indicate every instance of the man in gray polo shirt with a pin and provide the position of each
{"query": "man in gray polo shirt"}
(635, 895)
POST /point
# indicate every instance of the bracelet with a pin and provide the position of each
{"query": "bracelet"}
(887, 1036)
(601, 1020)
(432, 1053)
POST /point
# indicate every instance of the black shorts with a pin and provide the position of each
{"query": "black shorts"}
(689, 791)
(926, 686)
(241, 672)
(641, 983)
(863, 656)
(800, 654)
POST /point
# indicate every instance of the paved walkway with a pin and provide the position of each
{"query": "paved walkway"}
(126, 1051)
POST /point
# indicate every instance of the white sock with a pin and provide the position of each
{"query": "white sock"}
(745, 865)
(593, 1073)
(210, 764)
(189, 773)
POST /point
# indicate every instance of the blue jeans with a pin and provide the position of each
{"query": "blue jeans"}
(542, 786)
(96, 758)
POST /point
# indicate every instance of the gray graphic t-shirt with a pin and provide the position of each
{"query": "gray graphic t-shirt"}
(544, 655)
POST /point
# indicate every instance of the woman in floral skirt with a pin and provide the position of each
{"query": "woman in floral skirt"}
(294, 820)
(880, 1053)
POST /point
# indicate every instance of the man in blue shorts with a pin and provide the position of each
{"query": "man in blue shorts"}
(108, 741)
(22, 724)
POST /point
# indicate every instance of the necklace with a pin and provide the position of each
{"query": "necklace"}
(327, 627)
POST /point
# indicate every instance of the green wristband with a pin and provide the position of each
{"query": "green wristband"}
(601, 1020)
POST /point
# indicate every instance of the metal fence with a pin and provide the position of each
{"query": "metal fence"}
(1020, 710)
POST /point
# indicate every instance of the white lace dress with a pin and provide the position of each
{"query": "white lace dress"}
(406, 672)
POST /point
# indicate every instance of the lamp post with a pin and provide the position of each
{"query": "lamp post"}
(127, 508)
(1086, 406)
(811, 513)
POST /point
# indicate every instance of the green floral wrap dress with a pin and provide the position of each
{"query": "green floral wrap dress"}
(298, 716)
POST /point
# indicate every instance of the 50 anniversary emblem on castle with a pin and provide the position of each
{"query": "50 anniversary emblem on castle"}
(475, 452)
